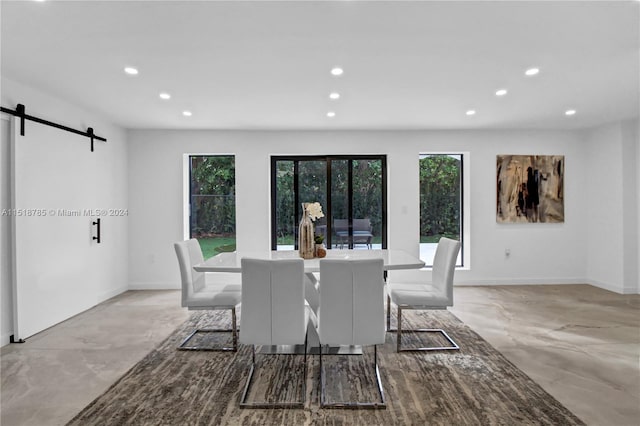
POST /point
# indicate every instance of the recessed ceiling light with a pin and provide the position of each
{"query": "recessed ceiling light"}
(187, 113)
(131, 71)
(334, 95)
(471, 112)
(501, 92)
(570, 112)
(165, 96)
(532, 71)
(331, 114)
(337, 71)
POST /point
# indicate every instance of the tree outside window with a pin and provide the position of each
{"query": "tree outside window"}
(348, 187)
(213, 203)
(440, 202)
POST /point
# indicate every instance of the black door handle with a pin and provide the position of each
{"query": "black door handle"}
(97, 223)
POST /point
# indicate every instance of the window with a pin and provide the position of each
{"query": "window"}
(350, 189)
(440, 202)
(212, 203)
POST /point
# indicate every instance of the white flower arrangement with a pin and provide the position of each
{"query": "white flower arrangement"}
(314, 210)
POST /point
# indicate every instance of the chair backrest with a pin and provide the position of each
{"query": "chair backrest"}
(444, 265)
(362, 225)
(340, 225)
(189, 254)
(351, 302)
(273, 304)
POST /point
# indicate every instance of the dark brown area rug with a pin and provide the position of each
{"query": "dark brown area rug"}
(473, 386)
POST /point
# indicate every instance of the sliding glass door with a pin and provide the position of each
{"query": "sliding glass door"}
(350, 189)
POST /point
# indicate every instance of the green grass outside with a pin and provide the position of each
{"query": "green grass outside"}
(213, 245)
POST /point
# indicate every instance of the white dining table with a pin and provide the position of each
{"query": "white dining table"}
(230, 261)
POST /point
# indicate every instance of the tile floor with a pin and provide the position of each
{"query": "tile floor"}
(582, 344)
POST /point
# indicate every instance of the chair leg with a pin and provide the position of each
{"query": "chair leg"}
(265, 404)
(247, 385)
(348, 404)
(399, 331)
(378, 380)
(304, 374)
(234, 329)
(388, 313)
(321, 381)
(399, 348)
(234, 332)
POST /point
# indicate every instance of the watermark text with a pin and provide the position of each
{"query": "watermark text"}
(58, 212)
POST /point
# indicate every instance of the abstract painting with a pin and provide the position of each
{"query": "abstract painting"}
(530, 188)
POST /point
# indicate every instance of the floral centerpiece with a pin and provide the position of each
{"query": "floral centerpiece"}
(314, 210)
(306, 244)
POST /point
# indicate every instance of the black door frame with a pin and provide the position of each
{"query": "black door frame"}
(296, 202)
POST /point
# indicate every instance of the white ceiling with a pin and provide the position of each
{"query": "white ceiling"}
(265, 65)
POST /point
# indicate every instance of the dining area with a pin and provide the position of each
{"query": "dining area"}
(216, 121)
(327, 307)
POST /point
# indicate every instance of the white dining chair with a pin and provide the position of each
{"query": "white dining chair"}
(351, 312)
(274, 312)
(438, 294)
(220, 292)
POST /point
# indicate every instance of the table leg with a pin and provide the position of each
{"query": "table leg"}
(311, 292)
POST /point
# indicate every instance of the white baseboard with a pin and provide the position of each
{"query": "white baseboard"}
(526, 281)
(168, 285)
(613, 288)
(550, 281)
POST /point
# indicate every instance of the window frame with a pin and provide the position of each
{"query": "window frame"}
(186, 185)
(328, 158)
(465, 203)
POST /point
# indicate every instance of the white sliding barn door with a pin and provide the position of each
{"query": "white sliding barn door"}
(54, 254)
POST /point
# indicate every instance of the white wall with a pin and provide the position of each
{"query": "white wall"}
(540, 253)
(111, 175)
(637, 166)
(612, 206)
(629, 141)
(603, 207)
(6, 295)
